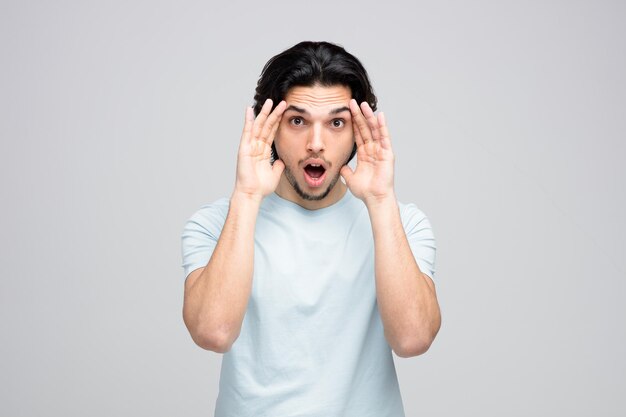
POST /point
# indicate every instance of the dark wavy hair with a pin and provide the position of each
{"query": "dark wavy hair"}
(307, 64)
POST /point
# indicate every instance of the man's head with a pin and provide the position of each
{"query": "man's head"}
(309, 63)
(317, 79)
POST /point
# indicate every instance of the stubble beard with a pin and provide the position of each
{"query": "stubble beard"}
(309, 197)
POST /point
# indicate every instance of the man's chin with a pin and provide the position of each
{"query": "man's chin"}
(319, 193)
(309, 193)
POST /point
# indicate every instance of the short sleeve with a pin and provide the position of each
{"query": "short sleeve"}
(421, 238)
(200, 235)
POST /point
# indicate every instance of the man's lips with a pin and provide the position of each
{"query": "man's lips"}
(315, 171)
(316, 161)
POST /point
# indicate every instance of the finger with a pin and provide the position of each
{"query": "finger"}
(272, 134)
(357, 135)
(271, 124)
(361, 123)
(372, 121)
(247, 126)
(277, 169)
(260, 119)
(347, 173)
(385, 139)
(355, 127)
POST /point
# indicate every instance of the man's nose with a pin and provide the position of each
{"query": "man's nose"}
(316, 140)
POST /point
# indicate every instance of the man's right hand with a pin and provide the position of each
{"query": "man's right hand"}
(256, 176)
(216, 296)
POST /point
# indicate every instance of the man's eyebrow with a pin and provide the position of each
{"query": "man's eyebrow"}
(296, 108)
(339, 110)
(303, 111)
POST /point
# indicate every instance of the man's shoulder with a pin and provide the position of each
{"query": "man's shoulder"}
(411, 214)
(213, 213)
(408, 207)
(219, 205)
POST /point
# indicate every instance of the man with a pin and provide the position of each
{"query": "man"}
(304, 282)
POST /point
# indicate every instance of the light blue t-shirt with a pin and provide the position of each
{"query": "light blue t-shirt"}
(312, 341)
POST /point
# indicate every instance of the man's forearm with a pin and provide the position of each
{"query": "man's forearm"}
(406, 299)
(218, 299)
(216, 302)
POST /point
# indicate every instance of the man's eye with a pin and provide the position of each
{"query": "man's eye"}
(297, 121)
(338, 123)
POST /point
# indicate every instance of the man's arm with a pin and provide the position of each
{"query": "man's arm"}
(216, 296)
(406, 297)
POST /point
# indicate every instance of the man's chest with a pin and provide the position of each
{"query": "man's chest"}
(312, 266)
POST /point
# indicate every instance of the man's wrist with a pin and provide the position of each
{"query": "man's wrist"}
(381, 201)
(246, 199)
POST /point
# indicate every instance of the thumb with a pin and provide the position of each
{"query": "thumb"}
(277, 169)
(347, 173)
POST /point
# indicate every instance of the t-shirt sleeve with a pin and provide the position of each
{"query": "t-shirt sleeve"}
(200, 235)
(421, 239)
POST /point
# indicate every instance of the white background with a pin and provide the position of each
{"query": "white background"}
(119, 119)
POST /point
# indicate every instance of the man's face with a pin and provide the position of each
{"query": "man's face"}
(314, 140)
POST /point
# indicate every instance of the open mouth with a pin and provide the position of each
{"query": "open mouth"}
(314, 174)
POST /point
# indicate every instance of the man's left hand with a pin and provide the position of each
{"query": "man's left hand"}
(372, 180)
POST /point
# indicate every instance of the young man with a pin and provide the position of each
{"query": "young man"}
(304, 282)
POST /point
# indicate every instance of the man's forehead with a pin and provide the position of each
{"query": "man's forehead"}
(318, 98)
